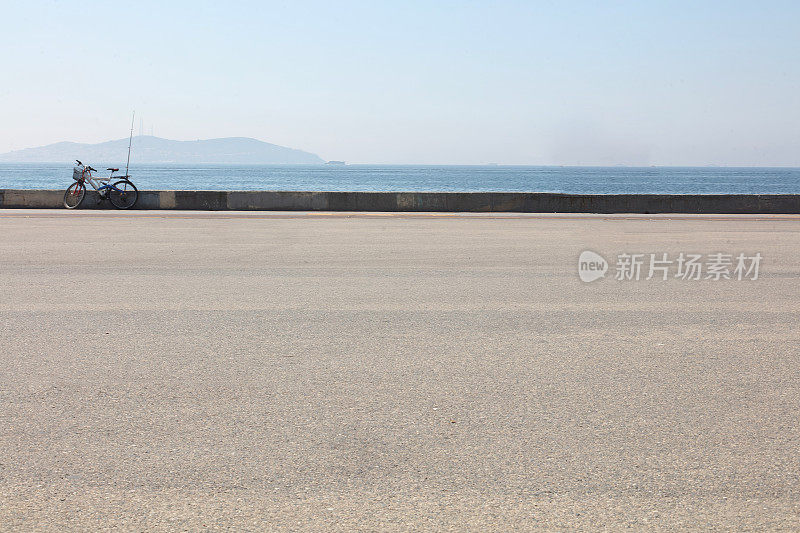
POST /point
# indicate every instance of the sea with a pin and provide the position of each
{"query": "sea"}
(497, 178)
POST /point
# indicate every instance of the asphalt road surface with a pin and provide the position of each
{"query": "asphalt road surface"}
(301, 371)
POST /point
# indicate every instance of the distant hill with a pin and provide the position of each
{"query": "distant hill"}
(148, 149)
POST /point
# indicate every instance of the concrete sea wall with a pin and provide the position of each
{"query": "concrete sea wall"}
(426, 201)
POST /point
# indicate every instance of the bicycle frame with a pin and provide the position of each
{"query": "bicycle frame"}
(100, 184)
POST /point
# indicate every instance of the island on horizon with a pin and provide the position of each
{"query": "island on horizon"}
(149, 149)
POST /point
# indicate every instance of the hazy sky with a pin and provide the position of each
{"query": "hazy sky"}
(517, 82)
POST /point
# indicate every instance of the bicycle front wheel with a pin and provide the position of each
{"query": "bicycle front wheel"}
(74, 194)
(123, 194)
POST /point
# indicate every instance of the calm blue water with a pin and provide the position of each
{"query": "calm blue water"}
(425, 178)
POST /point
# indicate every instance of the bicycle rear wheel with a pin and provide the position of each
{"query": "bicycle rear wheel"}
(123, 194)
(74, 194)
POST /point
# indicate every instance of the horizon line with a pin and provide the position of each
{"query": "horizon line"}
(482, 165)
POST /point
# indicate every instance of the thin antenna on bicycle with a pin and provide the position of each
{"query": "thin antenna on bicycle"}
(129, 144)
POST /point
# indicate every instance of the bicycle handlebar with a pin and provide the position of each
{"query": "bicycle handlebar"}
(88, 167)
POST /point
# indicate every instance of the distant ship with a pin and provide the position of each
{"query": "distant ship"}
(335, 163)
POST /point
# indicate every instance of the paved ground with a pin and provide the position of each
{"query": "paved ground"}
(327, 371)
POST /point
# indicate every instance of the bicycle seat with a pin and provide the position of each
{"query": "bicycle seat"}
(112, 169)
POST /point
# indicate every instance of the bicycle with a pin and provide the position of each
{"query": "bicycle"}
(122, 194)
